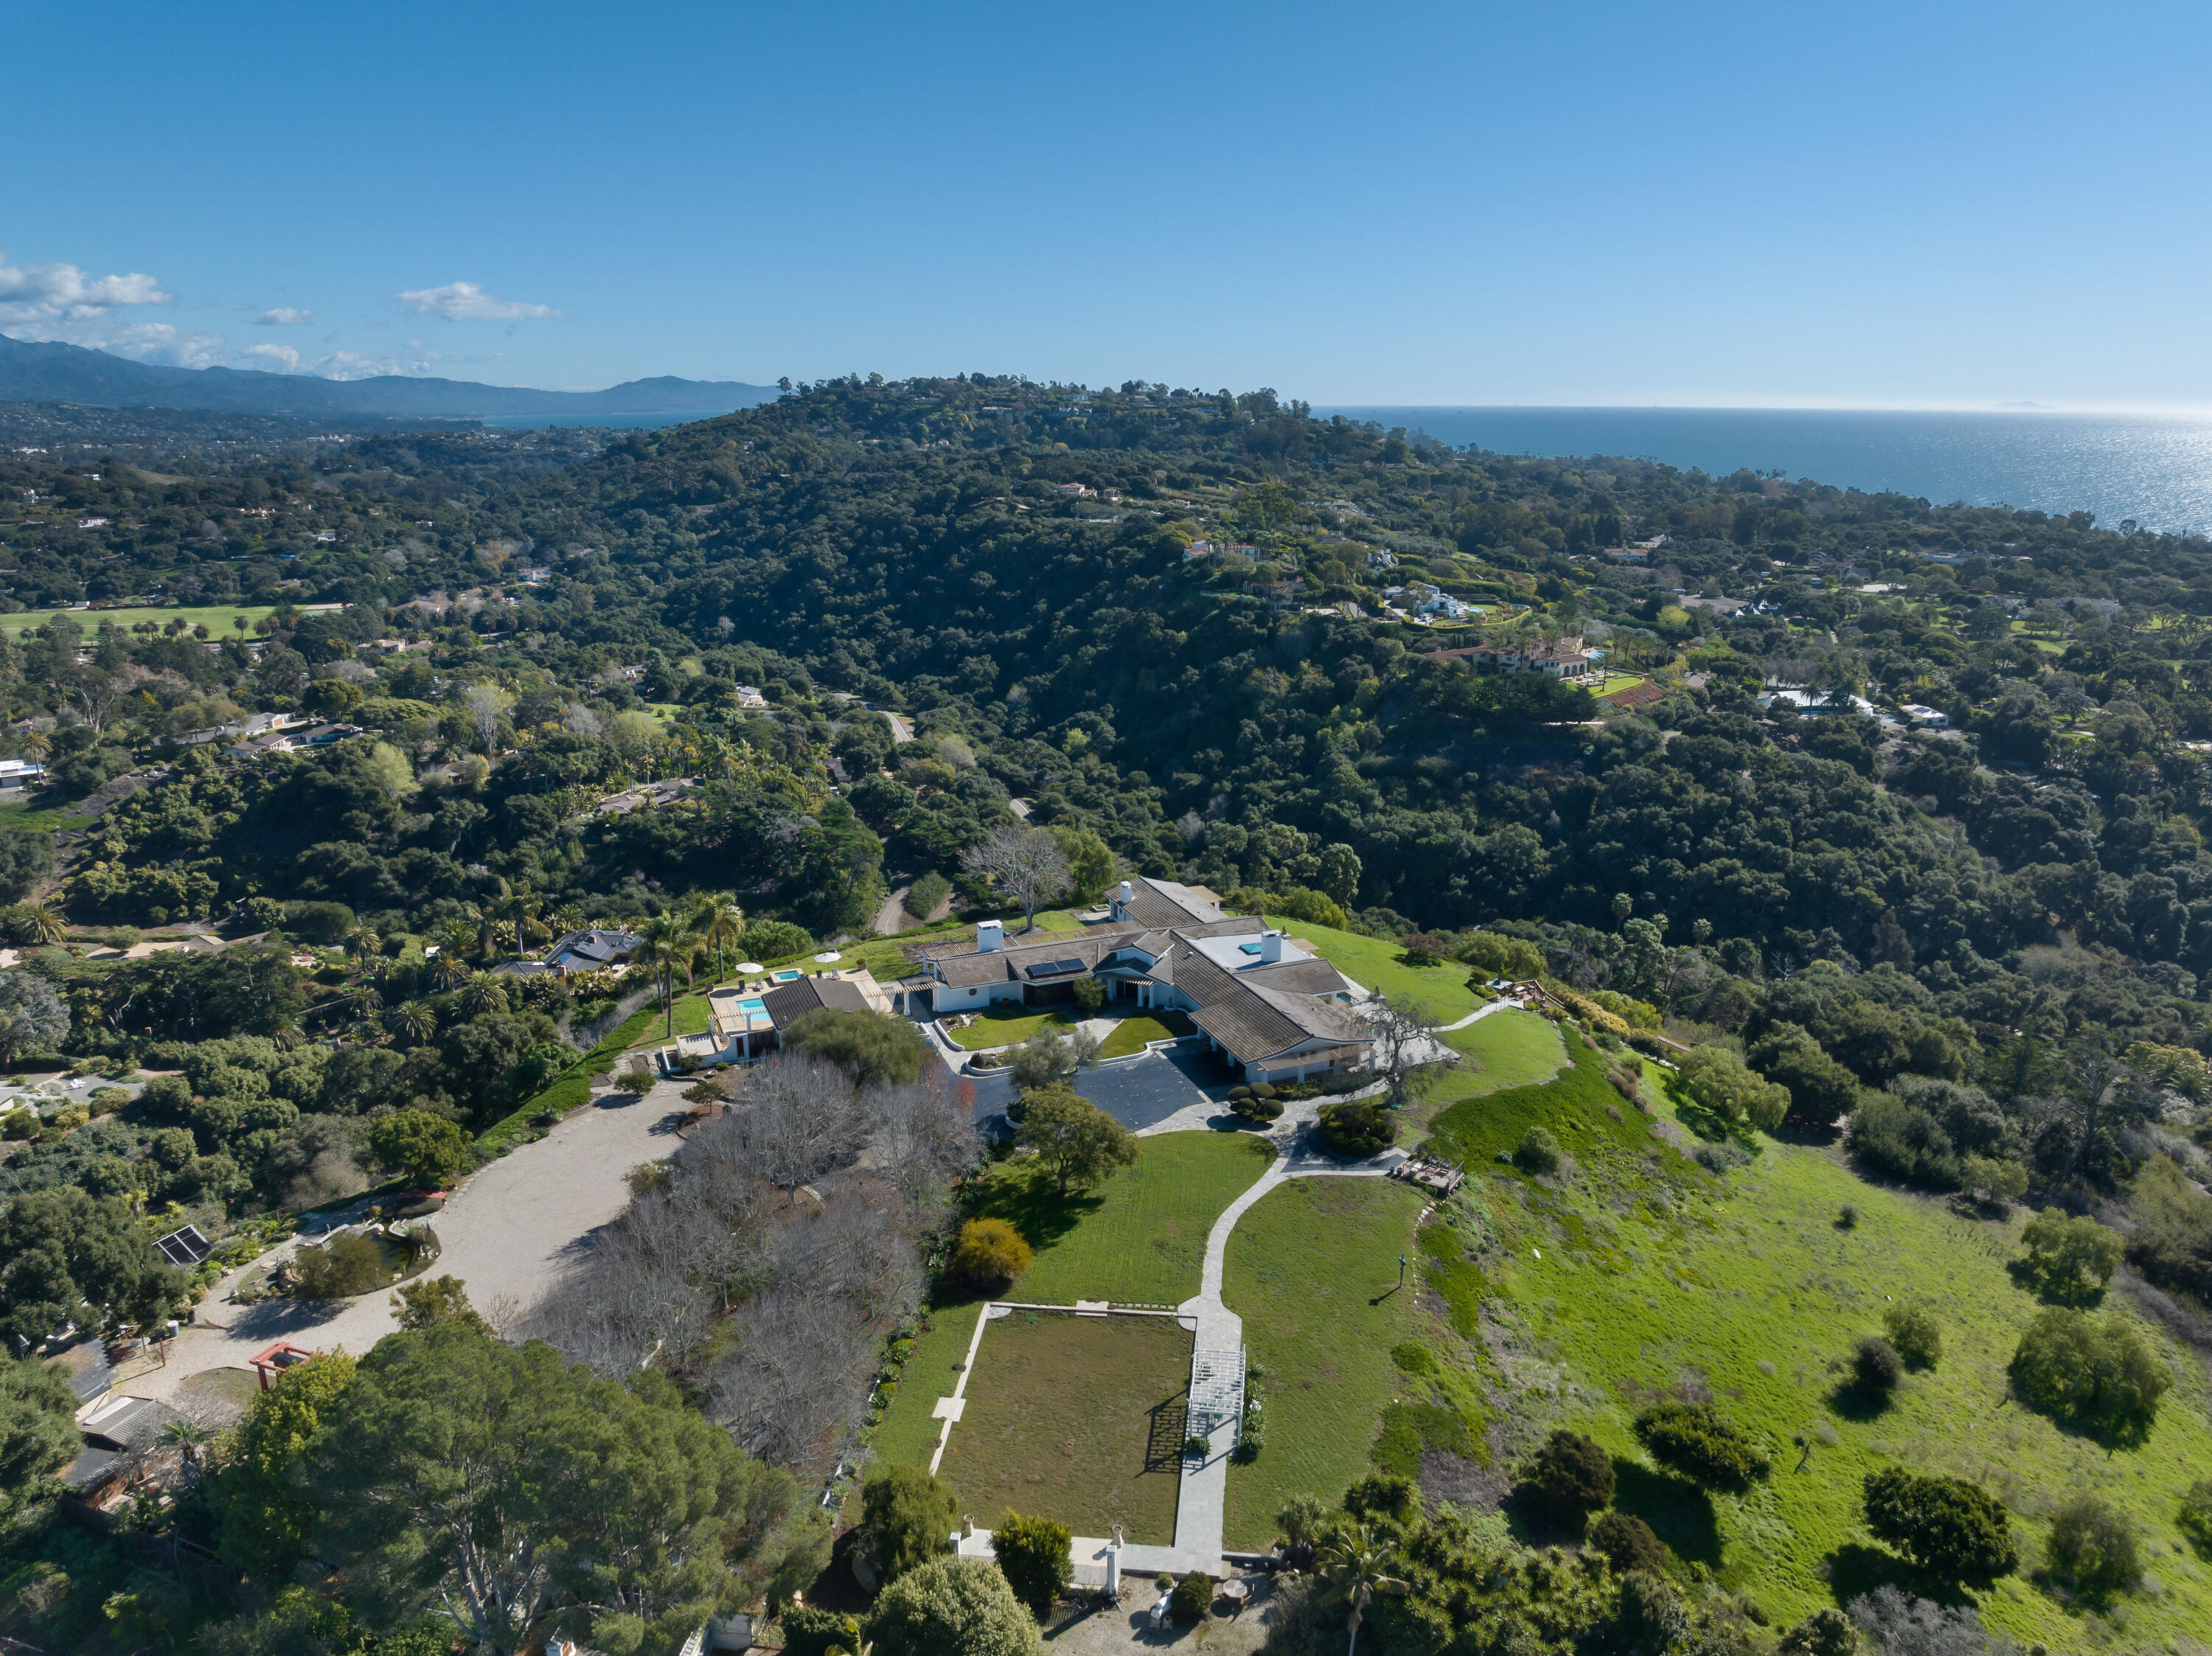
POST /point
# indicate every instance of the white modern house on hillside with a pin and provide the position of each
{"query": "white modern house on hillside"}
(1271, 1007)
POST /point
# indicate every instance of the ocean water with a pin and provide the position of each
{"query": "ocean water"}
(2155, 470)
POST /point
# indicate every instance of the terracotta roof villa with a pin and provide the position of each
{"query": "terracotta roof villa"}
(1271, 1008)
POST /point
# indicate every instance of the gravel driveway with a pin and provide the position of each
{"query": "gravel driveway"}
(507, 1231)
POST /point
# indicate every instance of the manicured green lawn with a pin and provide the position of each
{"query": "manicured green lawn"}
(908, 1431)
(1506, 1049)
(1655, 1277)
(1372, 962)
(1312, 1268)
(1078, 1419)
(1140, 1238)
(1131, 1034)
(1002, 1026)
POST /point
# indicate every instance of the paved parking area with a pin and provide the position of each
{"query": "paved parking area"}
(1138, 1093)
(508, 1231)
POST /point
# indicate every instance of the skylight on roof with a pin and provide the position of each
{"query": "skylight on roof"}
(1247, 947)
(1055, 968)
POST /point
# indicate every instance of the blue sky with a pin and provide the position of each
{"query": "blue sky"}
(1922, 205)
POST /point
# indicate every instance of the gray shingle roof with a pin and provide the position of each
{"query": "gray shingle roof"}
(1162, 903)
(793, 1001)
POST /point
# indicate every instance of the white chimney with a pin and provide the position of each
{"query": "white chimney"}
(1271, 948)
(1125, 895)
(990, 936)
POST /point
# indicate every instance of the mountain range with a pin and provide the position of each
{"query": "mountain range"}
(53, 373)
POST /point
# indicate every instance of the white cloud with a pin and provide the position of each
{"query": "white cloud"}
(464, 301)
(282, 358)
(284, 316)
(59, 302)
(157, 341)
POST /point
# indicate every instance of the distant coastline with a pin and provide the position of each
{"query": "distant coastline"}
(2154, 469)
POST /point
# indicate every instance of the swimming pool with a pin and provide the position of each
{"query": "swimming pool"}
(789, 977)
(753, 1004)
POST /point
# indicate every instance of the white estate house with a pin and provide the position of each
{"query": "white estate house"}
(1271, 1007)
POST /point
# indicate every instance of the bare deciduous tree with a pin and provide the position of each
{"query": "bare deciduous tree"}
(1024, 863)
(1405, 1032)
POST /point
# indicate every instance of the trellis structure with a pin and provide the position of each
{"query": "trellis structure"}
(1217, 1390)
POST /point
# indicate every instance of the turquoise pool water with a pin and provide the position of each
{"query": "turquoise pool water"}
(754, 1003)
(789, 977)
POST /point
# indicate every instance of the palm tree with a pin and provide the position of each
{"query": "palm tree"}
(45, 922)
(189, 1438)
(719, 920)
(287, 1036)
(665, 945)
(1356, 1566)
(486, 922)
(449, 968)
(363, 945)
(363, 998)
(453, 938)
(524, 903)
(482, 993)
(569, 917)
(417, 1021)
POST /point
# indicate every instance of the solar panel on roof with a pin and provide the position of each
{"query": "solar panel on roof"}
(1055, 968)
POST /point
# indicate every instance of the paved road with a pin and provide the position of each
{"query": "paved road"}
(507, 1232)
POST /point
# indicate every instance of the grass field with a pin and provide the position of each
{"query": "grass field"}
(28, 820)
(1078, 1419)
(1634, 1274)
(1002, 1026)
(1132, 1034)
(1506, 1049)
(1140, 1238)
(1312, 1269)
(220, 619)
(1372, 962)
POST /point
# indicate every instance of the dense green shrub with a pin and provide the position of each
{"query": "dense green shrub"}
(808, 1631)
(1697, 1441)
(1629, 1543)
(2074, 1256)
(1724, 1084)
(1192, 1598)
(989, 1254)
(1568, 1477)
(1915, 1333)
(908, 1514)
(2094, 1372)
(1943, 1523)
(1359, 1128)
(2195, 1520)
(1876, 1367)
(1033, 1554)
(1821, 1089)
(952, 1607)
(1537, 1153)
(2093, 1547)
